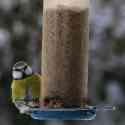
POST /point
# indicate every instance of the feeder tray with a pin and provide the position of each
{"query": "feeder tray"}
(88, 113)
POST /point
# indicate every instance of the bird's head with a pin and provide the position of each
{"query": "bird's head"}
(21, 70)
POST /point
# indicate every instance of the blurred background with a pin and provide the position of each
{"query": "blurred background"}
(20, 39)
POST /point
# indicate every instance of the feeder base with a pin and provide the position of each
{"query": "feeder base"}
(63, 114)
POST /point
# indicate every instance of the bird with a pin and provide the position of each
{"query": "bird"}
(25, 86)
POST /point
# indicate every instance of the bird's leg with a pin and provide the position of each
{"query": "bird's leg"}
(34, 103)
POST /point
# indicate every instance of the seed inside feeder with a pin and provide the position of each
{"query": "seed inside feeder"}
(65, 56)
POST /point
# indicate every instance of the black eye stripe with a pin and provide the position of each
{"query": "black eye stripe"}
(25, 67)
(21, 70)
(18, 70)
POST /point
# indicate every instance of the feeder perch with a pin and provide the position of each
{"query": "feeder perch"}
(88, 113)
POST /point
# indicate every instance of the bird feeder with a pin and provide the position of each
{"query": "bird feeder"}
(65, 62)
(65, 53)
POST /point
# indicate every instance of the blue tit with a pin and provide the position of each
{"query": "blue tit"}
(25, 84)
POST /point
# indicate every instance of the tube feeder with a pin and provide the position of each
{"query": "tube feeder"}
(64, 87)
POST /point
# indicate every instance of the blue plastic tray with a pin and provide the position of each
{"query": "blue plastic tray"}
(63, 114)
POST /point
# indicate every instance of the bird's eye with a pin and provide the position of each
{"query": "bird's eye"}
(28, 71)
(17, 75)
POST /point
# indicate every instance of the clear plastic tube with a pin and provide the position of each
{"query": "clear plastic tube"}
(65, 53)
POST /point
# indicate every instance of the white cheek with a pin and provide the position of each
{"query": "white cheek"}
(28, 71)
(17, 75)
